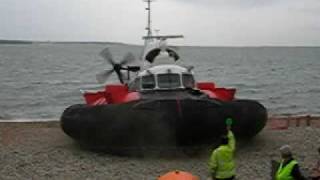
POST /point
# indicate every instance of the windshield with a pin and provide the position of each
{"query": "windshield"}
(148, 82)
(169, 81)
(188, 80)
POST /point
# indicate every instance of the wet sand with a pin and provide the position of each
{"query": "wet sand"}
(43, 151)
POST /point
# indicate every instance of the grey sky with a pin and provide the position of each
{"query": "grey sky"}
(203, 22)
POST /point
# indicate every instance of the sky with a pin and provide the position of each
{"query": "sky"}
(202, 22)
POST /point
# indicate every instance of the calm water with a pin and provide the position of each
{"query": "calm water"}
(40, 80)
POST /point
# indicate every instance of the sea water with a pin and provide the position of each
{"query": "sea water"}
(38, 81)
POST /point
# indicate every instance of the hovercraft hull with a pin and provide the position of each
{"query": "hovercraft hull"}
(159, 122)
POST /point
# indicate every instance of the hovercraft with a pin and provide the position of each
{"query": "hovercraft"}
(163, 105)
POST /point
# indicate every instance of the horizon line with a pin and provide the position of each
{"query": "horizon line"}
(19, 41)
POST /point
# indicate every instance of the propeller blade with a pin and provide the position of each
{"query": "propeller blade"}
(120, 76)
(117, 67)
(152, 54)
(103, 76)
(105, 53)
(173, 54)
(128, 58)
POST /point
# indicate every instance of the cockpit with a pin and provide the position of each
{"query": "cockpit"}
(164, 77)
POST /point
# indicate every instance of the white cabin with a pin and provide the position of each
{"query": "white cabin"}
(163, 77)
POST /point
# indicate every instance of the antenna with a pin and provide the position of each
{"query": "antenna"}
(148, 28)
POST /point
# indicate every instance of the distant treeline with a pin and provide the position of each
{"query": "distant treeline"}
(81, 42)
(56, 42)
(14, 42)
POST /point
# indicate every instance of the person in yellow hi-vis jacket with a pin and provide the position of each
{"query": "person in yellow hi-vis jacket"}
(221, 163)
(288, 168)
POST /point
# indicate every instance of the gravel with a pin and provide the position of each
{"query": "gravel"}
(43, 151)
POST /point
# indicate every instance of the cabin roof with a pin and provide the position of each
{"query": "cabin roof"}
(163, 69)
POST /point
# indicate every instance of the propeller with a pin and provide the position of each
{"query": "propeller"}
(155, 52)
(117, 67)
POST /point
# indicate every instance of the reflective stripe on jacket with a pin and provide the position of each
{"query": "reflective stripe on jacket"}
(284, 172)
(221, 162)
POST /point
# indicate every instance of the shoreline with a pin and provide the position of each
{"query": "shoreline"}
(291, 118)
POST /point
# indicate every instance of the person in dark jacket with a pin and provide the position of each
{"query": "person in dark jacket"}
(288, 168)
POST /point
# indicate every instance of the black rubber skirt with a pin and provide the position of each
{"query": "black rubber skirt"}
(166, 123)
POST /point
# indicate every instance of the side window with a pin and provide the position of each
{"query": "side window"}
(148, 82)
(188, 80)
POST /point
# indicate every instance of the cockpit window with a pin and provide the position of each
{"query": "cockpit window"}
(188, 80)
(148, 82)
(169, 81)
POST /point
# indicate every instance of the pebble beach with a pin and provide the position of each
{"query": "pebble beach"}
(40, 150)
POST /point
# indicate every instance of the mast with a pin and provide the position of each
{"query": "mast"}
(156, 42)
(149, 36)
(148, 28)
(147, 41)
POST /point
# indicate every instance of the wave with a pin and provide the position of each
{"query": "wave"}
(58, 82)
(4, 116)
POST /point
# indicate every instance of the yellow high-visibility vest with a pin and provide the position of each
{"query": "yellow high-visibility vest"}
(284, 172)
(221, 161)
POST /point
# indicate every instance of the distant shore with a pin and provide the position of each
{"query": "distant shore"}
(57, 42)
